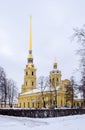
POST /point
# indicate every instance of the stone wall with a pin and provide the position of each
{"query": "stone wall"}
(41, 113)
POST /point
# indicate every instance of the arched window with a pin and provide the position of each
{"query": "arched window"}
(78, 104)
(38, 104)
(57, 79)
(81, 104)
(28, 104)
(20, 105)
(61, 103)
(24, 104)
(26, 83)
(33, 104)
(32, 73)
(74, 104)
(44, 104)
(32, 83)
(53, 79)
(26, 73)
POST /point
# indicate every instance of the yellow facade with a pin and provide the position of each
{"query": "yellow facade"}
(33, 97)
(52, 96)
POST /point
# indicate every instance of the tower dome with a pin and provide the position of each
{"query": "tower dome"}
(54, 65)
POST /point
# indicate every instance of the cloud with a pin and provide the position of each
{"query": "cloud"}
(5, 47)
(6, 51)
(52, 22)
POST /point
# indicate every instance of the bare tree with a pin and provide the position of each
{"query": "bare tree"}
(3, 86)
(12, 92)
(49, 91)
(41, 84)
(53, 81)
(79, 35)
(74, 88)
(8, 89)
(69, 94)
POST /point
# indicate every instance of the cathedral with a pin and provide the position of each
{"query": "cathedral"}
(54, 95)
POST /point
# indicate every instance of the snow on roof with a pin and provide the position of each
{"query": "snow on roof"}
(38, 90)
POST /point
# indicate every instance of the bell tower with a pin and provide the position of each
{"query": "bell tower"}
(30, 70)
(55, 76)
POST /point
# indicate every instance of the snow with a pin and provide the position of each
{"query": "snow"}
(38, 90)
(58, 123)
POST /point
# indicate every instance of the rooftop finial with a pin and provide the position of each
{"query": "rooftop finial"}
(55, 64)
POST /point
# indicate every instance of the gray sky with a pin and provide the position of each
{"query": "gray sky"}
(53, 22)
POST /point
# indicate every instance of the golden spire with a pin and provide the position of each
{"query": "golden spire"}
(30, 44)
(30, 57)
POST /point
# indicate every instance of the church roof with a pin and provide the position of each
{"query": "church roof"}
(39, 90)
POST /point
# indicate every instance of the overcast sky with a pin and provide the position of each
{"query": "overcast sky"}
(52, 26)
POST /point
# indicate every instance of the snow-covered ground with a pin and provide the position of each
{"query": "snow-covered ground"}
(59, 123)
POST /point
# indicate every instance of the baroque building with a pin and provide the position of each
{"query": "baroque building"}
(54, 95)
